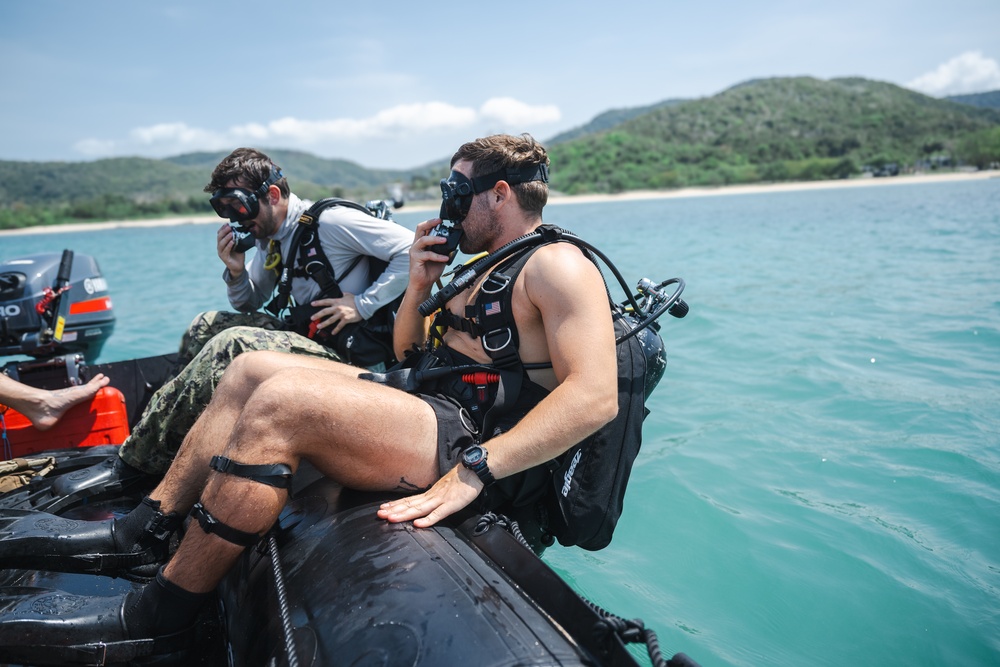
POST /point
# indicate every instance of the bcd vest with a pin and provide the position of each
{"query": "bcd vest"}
(366, 343)
(588, 480)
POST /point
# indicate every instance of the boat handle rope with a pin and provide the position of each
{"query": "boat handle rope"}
(490, 519)
(279, 588)
(634, 631)
(629, 631)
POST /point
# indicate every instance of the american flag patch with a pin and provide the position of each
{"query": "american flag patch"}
(493, 308)
(311, 253)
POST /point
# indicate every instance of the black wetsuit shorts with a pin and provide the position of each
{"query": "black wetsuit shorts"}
(458, 429)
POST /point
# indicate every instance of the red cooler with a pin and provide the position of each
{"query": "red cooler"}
(104, 421)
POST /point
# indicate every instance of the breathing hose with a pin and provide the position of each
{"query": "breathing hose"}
(465, 279)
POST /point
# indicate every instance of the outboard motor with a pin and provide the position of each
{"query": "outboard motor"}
(52, 304)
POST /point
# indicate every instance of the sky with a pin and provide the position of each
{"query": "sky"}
(402, 84)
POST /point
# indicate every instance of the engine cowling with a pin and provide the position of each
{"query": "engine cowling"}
(87, 314)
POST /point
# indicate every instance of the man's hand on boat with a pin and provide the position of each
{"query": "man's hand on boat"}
(453, 492)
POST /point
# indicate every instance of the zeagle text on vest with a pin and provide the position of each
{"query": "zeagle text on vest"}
(568, 477)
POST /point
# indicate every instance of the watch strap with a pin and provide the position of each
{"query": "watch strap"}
(481, 468)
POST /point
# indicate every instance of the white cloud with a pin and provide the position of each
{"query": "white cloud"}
(95, 147)
(170, 133)
(398, 123)
(509, 111)
(971, 72)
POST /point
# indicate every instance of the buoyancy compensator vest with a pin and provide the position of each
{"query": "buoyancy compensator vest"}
(589, 480)
(367, 343)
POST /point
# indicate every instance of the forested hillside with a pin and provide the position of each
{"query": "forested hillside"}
(608, 120)
(990, 100)
(39, 193)
(763, 130)
(775, 130)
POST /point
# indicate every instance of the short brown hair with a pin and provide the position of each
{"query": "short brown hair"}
(249, 166)
(503, 151)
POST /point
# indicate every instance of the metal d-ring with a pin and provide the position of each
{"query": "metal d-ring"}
(489, 348)
(317, 263)
(495, 277)
(467, 422)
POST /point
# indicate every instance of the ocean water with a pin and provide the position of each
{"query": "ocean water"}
(819, 481)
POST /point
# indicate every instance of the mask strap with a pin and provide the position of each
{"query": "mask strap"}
(272, 178)
(513, 176)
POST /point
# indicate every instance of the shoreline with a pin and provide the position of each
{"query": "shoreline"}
(559, 200)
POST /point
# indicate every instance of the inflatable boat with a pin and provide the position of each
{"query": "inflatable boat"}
(330, 584)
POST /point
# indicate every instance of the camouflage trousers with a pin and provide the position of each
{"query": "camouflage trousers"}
(207, 348)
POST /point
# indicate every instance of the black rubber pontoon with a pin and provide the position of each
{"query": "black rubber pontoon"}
(333, 584)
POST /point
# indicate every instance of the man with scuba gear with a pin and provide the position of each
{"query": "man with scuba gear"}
(233, 471)
(268, 214)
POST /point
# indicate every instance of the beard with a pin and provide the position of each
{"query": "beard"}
(481, 235)
(264, 225)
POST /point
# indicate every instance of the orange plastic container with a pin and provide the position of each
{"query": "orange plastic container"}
(104, 421)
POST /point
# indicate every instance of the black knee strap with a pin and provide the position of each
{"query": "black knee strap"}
(211, 525)
(278, 475)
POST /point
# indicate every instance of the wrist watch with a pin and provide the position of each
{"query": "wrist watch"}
(474, 458)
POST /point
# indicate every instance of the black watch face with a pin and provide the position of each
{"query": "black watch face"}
(473, 455)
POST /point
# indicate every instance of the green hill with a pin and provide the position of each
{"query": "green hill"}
(990, 100)
(177, 177)
(40, 193)
(302, 167)
(608, 120)
(62, 182)
(771, 130)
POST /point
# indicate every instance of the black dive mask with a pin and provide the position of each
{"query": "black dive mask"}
(241, 204)
(456, 197)
(458, 190)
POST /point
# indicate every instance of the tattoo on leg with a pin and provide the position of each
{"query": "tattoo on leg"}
(408, 487)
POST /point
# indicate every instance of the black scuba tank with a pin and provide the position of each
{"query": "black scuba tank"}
(656, 356)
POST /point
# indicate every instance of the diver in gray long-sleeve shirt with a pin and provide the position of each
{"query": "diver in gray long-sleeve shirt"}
(345, 234)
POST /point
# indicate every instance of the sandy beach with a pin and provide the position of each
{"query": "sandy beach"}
(557, 200)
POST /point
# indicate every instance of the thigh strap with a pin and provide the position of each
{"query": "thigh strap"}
(211, 525)
(278, 475)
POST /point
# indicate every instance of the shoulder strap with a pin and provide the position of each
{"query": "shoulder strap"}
(312, 260)
(498, 333)
(494, 315)
(466, 276)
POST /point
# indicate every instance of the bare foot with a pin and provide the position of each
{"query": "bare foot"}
(51, 405)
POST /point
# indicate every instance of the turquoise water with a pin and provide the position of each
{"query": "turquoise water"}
(820, 475)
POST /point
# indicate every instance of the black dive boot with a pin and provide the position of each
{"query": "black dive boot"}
(133, 545)
(146, 625)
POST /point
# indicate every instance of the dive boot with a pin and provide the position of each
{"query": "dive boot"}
(147, 625)
(109, 477)
(132, 545)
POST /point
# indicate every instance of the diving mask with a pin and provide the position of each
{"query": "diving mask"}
(241, 204)
(458, 190)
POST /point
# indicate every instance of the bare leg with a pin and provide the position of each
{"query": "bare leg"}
(182, 485)
(359, 433)
(42, 407)
(176, 406)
